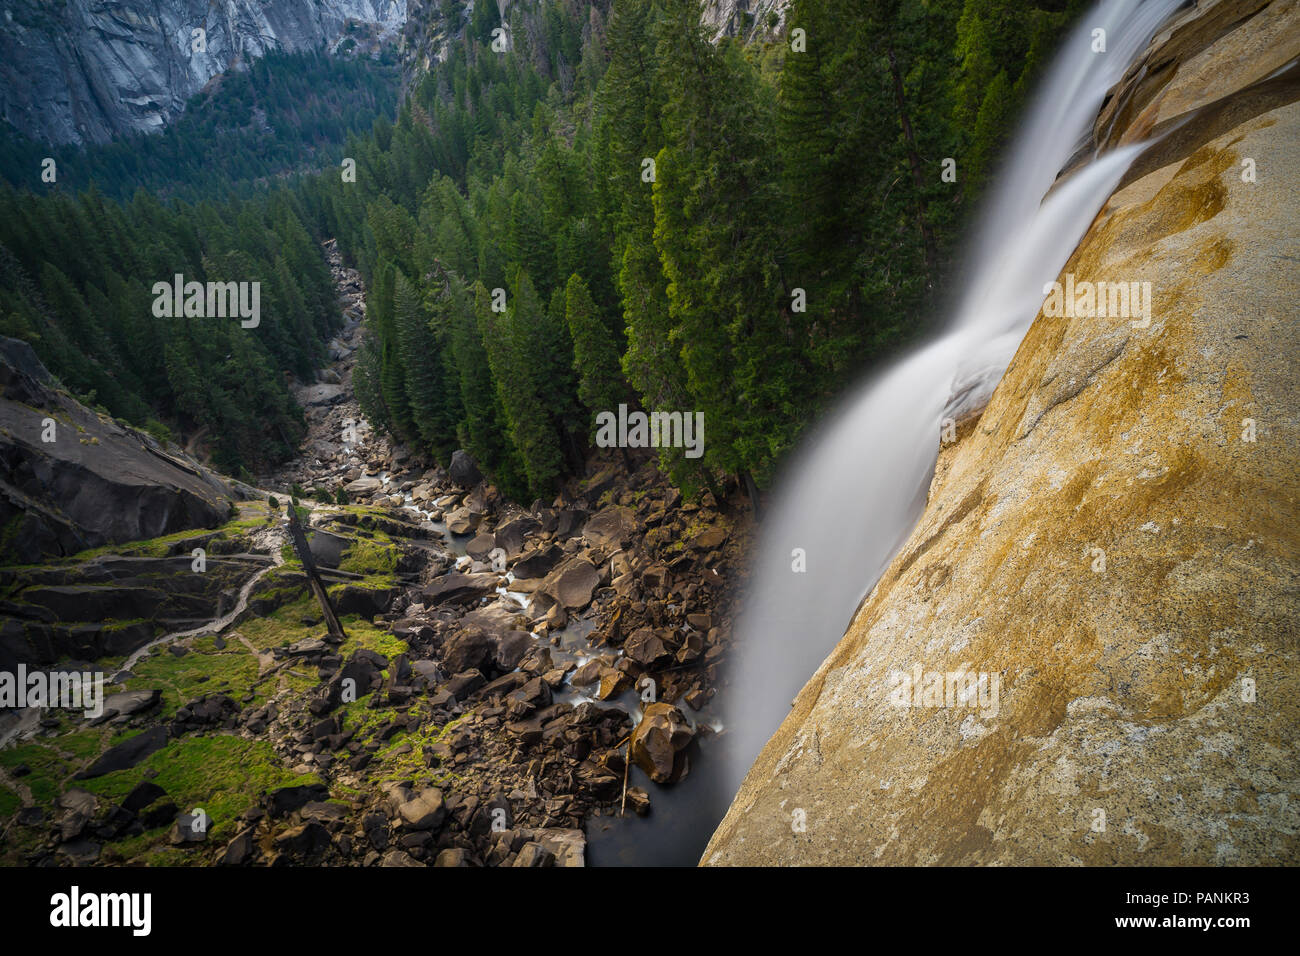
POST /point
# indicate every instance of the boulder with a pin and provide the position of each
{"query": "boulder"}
(647, 648)
(127, 703)
(306, 838)
(659, 740)
(457, 588)
(239, 850)
(399, 858)
(537, 564)
(419, 810)
(463, 471)
(513, 535)
(363, 486)
(470, 648)
(573, 583)
(126, 754)
(481, 546)
(610, 529)
(287, 799)
(462, 521)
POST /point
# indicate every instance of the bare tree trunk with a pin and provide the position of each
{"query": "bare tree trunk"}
(309, 565)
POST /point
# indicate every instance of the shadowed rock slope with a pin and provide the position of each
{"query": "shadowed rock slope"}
(1114, 541)
(71, 479)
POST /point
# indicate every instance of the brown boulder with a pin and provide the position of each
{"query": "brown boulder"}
(458, 588)
(659, 740)
(573, 583)
(610, 529)
(647, 648)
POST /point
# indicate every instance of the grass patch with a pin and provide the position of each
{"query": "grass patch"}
(371, 556)
(203, 670)
(9, 803)
(224, 775)
(362, 633)
(49, 765)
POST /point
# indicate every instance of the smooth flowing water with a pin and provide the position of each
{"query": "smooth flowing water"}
(857, 488)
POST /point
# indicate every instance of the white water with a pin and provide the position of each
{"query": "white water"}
(861, 481)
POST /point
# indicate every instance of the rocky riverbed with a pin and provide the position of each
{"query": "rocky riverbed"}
(512, 677)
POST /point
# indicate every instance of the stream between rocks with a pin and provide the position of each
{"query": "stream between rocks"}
(682, 814)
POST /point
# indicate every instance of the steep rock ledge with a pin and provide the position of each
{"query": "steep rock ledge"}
(1106, 542)
(72, 479)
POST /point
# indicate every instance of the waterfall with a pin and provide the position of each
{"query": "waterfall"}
(857, 487)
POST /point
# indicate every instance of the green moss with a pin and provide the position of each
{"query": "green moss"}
(159, 547)
(203, 670)
(224, 775)
(361, 633)
(82, 744)
(376, 555)
(49, 768)
(388, 765)
(283, 625)
(9, 803)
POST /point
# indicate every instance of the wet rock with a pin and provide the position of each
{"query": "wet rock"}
(612, 683)
(537, 564)
(457, 588)
(659, 740)
(696, 699)
(638, 800)
(647, 648)
(588, 673)
(573, 583)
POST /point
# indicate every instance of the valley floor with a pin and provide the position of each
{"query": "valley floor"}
(500, 664)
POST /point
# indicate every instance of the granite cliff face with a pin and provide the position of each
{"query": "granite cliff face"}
(88, 70)
(744, 18)
(1113, 542)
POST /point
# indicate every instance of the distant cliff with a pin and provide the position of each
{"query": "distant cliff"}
(89, 70)
(1112, 544)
